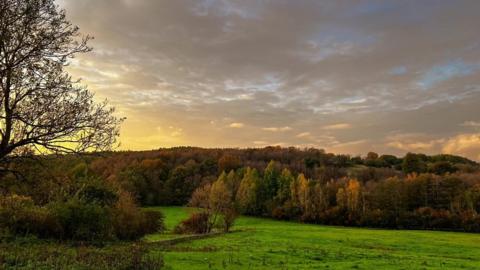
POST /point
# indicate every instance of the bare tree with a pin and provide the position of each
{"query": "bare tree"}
(42, 109)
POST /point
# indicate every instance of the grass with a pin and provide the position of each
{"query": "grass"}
(258, 244)
(270, 244)
(35, 254)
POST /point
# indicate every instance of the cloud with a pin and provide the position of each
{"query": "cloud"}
(188, 63)
(413, 146)
(447, 71)
(397, 71)
(277, 129)
(471, 124)
(175, 132)
(337, 126)
(260, 143)
(237, 125)
(412, 142)
(304, 135)
(464, 144)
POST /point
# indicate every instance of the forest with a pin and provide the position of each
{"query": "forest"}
(417, 191)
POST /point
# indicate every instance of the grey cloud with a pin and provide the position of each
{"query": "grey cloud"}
(303, 64)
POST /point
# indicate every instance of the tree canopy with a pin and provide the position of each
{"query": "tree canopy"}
(42, 108)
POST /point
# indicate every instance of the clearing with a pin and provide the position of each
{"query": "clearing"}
(268, 244)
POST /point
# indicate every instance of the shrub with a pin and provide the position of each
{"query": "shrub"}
(152, 221)
(126, 218)
(228, 219)
(197, 223)
(78, 218)
(19, 215)
(470, 221)
(99, 194)
(129, 222)
(82, 220)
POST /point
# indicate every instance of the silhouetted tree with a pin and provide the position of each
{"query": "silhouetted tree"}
(43, 110)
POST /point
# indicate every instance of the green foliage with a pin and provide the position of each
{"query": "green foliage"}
(77, 218)
(441, 168)
(92, 186)
(178, 185)
(247, 192)
(413, 163)
(20, 216)
(81, 220)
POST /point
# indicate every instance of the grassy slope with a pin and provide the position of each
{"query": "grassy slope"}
(269, 244)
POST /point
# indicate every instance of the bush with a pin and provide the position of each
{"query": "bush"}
(197, 223)
(77, 219)
(99, 194)
(19, 215)
(82, 220)
(228, 219)
(470, 221)
(129, 222)
(153, 221)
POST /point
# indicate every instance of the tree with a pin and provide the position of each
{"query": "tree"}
(180, 185)
(372, 156)
(372, 160)
(201, 197)
(267, 188)
(247, 192)
(352, 191)
(302, 191)
(228, 162)
(216, 200)
(441, 168)
(270, 179)
(284, 182)
(413, 163)
(220, 203)
(232, 181)
(42, 109)
(389, 160)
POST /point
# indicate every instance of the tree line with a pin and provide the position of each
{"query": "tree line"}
(414, 201)
(310, 185)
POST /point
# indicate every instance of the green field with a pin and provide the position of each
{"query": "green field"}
(268, 244)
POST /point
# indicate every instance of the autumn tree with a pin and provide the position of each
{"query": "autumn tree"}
(353, 193)
(247, 192)
(303, 194)
(284, 181)
(232, 182)
(221, 203)
(229, 162)
(217, 203)
(302, 191)
(44, 110)
(201, 197)
(342, 198)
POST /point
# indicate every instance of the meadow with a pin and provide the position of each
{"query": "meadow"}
(258, 243)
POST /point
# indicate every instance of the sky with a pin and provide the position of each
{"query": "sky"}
(345, 76)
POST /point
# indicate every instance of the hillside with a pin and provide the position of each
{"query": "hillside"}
(266, 244)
